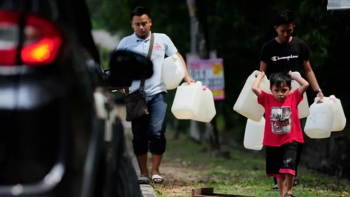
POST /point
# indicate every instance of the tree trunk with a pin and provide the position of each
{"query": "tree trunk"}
(211, 131)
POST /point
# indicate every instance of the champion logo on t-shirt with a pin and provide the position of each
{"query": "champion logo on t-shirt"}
(276, 58)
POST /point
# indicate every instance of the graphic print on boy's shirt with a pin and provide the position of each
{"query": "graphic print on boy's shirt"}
(281, 120)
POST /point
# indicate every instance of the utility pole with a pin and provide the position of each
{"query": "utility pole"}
(194, 132)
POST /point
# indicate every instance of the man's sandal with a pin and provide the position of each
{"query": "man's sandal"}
(159, 181)
(143, 180)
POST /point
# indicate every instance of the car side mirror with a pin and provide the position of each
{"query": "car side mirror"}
(126, 66)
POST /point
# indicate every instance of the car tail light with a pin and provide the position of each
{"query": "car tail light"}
(42, 40)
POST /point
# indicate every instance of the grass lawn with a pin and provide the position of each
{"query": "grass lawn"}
(243, 174)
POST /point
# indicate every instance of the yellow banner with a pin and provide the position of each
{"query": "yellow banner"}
(219, 94)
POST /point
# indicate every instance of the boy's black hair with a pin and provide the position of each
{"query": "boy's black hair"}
(280, 78)
(284, 17)
(139, 11)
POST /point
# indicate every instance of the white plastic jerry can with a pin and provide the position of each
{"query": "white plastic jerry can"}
(254, 134)
(187, 99)
(207, 109)
(172, 71)
(320, 121)
(303, 107)
(247, 102)
(339, 115)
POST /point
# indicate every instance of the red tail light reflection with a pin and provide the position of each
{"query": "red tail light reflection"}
(42, 40)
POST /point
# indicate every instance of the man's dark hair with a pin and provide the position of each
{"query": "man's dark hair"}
(280, 78)
(139, 11)
(284, 17)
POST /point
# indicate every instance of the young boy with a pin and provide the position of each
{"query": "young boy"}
(282, 129)
(286, 52)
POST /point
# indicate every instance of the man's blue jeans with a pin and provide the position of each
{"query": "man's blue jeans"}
(149, 131)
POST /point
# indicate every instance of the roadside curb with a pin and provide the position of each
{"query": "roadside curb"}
(147, 190)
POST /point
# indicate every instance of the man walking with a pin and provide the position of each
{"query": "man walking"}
(287, 53)
(149, 130)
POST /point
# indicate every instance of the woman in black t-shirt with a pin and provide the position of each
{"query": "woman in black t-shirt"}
(287, 53)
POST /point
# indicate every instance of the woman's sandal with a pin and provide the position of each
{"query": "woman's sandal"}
(288, 195)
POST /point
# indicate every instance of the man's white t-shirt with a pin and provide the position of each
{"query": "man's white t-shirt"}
(162, 46)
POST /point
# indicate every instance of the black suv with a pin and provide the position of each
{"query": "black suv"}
(53, 111)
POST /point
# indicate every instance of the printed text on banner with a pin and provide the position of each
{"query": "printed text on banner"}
(211, 73)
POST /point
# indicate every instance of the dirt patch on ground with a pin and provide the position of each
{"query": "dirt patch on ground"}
(181, 173)
(178, 178)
